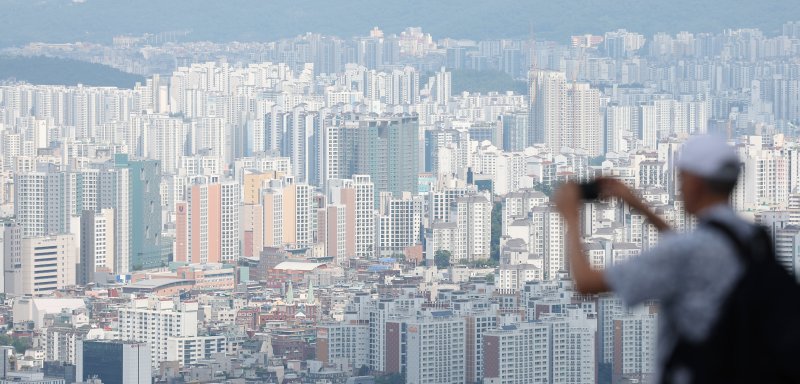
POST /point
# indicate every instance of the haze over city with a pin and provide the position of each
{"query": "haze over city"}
(357, 192)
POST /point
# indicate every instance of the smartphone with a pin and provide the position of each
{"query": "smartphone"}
(590, 190)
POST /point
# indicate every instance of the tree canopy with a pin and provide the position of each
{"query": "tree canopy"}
(441, 258)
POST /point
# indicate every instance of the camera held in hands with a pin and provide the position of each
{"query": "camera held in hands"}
(590, 190)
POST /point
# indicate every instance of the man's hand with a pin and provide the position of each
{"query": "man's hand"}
(568, 201)
(614, 188)
(587, 280)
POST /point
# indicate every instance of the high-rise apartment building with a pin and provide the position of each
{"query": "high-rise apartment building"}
(634, 355)
(338, 229)
(134, 191)
(583, 128)
(621, 43)
(46, 200)
(515, 131)
(97, 244)
(434, 348)
(386, 148)
(548, 238)
(565, 115)
(300, 144)
(365, 216)
(347, 342)
(609, 308)
(155, 321)
(212, 136)
(573, 337)
(517, 354)
(399, 223)
(29, 203)
(298, 135)
(517, 205)
(289, 214)
(619, 128)
(63, 341)
(478, 321)
(446, 151)
(442, 198)
(548, 98)
(164, 140)
(442, 91)
(402, 87)
(473, 219)
(787, 248)
(764, 178)
(336, 226)
(207, 224)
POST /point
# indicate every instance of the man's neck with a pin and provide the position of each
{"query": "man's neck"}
(709, 203)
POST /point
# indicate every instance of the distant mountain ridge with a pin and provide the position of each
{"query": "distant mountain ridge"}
(42, 70)
(55, 21)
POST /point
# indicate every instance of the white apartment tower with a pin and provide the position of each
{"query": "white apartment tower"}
(618, 128)
(549, 98)
(399, 222)
(435, 347)
(548, 228)
(230, 200)
(165, 140)
(634, 355)
(213, 138)
(343, 342)
(365, 216)
(517, 354)
(573, 353)
(29, 203)
(517, 205)
(473, 218)
(443, 90)
(155, 321)
(97, 244)
(583, 120)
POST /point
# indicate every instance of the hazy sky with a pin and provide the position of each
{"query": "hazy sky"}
(23, 21)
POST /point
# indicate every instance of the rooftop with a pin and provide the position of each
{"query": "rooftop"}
(298, 266)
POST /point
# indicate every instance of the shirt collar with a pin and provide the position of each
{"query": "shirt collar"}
(716, 211)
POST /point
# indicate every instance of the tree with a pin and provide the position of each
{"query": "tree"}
(392, 378)
(20, 344)
(442, 258)
(598, 160)
(483, 263)
(544, 188)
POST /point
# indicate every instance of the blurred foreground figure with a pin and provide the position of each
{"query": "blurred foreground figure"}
(729, 312)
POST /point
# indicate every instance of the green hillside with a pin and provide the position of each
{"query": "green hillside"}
(54, 71)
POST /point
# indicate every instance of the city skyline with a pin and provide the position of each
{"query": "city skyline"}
(378, 208)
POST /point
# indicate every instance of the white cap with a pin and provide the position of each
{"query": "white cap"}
(709, 157)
